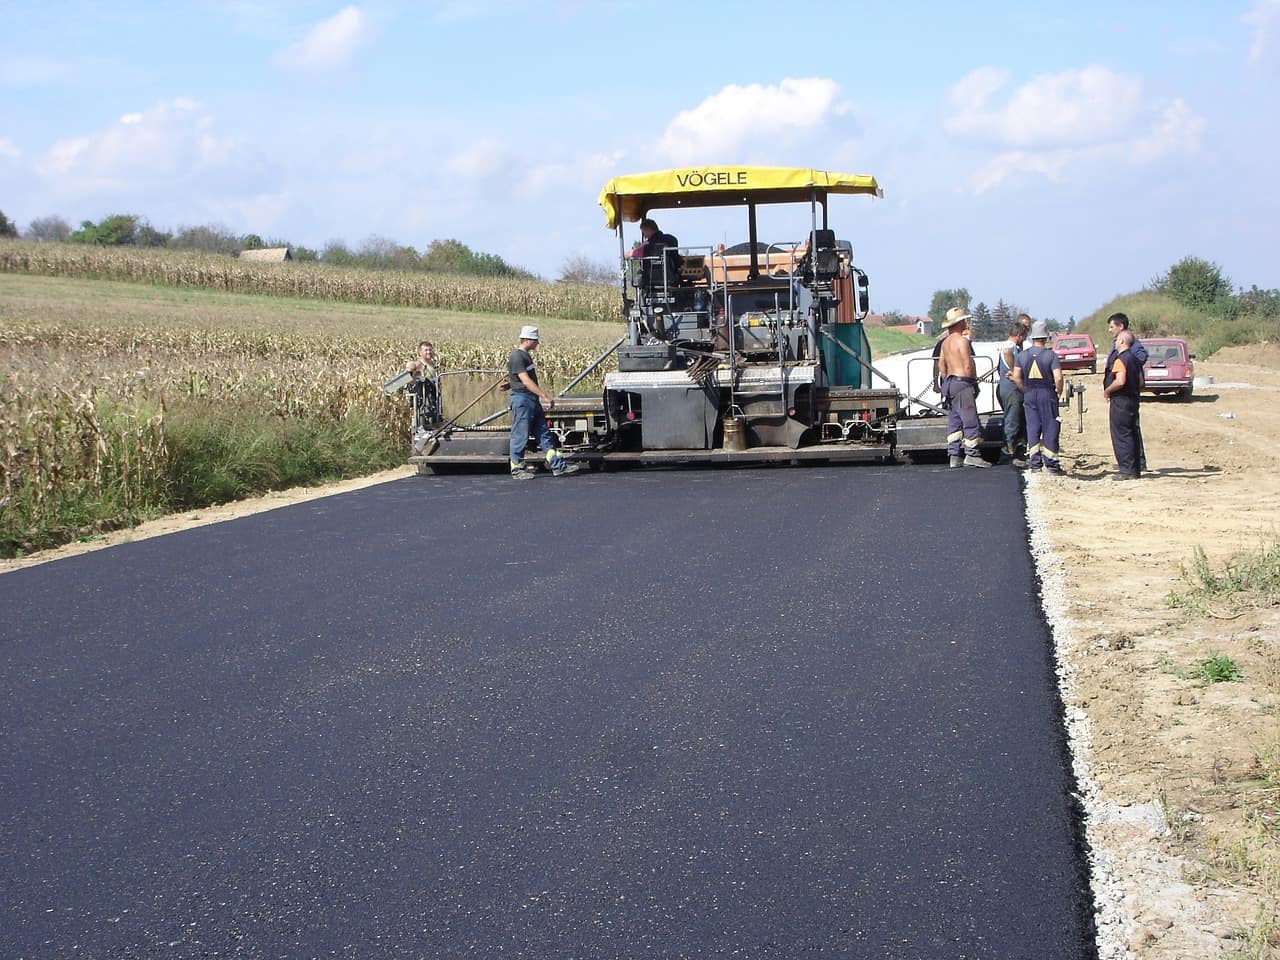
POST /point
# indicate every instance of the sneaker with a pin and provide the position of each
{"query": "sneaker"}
(524, 473)
(1019, 462)
(955, 462)
(567, 469)
(1124, 476)
(1055, 471)
(976, 462)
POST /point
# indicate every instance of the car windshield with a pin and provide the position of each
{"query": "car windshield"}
(1073, 343)
(1165, 352)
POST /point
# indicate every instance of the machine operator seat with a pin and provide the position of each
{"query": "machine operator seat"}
(821, 262)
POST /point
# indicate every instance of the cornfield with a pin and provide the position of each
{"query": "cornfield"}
(313, 280)
(97, 419)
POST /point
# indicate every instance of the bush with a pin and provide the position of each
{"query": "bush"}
(1194, 282)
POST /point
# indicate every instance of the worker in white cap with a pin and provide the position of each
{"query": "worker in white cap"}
(527, 417)
(1039, 377)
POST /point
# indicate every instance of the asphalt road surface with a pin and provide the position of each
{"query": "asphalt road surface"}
(719, 713)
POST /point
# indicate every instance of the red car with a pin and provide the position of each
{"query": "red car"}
(1075, 351)
(1169, 367)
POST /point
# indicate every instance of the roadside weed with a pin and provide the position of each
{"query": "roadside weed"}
(1251, 577)
(1218, 668)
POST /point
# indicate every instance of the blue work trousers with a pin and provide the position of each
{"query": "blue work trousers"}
(964, 432)
(1010, 398)
(1044, 428)
(528, 420)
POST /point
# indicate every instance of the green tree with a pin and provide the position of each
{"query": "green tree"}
(120, 229)
(7, 227)
(149, 236)
(453, 256)
(336, 254)
(210, 238)
(983, 325)
(944, 300)
(251, 241)
(1194, 282)
(1002, 315)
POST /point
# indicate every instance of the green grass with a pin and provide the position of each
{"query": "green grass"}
(884, 341)
(1159, 315)
(234, 451)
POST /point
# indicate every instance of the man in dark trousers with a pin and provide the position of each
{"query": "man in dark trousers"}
(1121, 384)
(958, 380)
(1116, 324)
(1039, 377)
(527, 418)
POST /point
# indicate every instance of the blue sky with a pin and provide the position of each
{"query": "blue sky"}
(1053, 159)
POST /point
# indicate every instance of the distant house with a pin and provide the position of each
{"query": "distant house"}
(267, 255)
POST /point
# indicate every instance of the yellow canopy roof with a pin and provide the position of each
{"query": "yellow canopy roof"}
(631, 197)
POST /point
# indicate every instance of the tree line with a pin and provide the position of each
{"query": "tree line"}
(989, 322)
(378, 253)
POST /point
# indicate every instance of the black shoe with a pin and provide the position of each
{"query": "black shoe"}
(1124, 476)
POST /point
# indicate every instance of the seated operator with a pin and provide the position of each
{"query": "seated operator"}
(654, 245)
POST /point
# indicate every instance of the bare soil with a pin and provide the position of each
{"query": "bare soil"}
(1184, 768)
(1185, 813)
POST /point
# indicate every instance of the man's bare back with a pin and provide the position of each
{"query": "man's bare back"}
(956, 358)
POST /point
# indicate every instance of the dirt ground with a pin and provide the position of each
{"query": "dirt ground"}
(1181, 766)
(1173, 769)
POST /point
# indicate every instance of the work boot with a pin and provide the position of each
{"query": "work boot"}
(973, 460)
(1055, 470)
(955, 462)
(565, 470)
(522, 470)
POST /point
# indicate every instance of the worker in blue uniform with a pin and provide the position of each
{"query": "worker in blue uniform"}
(1038, 375)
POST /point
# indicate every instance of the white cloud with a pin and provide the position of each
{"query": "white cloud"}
(330, 44)
(1264, 18)
(1088, 105)
(1178, 131)
(7, 150)
(172, 142)
(578, 176)
(1066, 121)
(751, 114)
(478, 160)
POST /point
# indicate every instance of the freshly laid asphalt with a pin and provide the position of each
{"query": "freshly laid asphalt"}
(717, 713)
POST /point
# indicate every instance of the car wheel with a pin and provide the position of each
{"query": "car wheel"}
(1185, 394)
(1093, 367)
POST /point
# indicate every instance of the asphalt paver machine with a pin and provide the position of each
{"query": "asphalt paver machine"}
(751, 352)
